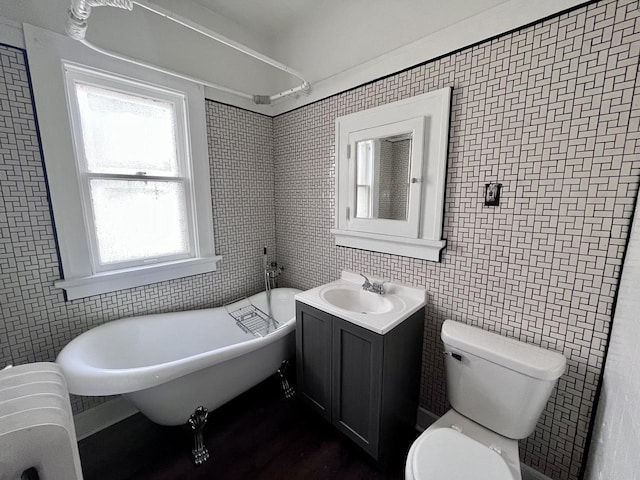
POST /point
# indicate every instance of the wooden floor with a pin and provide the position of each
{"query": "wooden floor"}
(259, 435)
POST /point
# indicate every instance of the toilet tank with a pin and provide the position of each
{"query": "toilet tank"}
(498, 382)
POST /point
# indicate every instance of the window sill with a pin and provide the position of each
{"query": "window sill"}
(135, 277)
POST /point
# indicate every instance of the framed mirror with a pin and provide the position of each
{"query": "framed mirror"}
(384, 181)
(390, 175)
(383, 177)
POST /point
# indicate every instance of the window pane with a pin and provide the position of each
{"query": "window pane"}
(139, 219)
(125, 133)
(362, 201)
(364, 159)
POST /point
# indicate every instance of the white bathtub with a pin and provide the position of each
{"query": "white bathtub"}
(168, 364)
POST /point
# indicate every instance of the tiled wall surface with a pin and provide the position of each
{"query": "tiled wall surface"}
(400, 179)
(35, 321)
(394, 179)
(616, 440)
(548, 111)
(385, 179)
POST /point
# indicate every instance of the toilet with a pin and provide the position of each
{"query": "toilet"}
(498, 388)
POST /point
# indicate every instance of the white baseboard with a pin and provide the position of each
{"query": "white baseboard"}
(104, 415)
(425, 418)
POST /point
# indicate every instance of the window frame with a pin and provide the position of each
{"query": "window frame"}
(48, 54)
(76, 74)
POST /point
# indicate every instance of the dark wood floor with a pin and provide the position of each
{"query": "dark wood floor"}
(259, 435)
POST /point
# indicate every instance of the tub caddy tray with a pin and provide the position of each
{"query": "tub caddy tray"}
(252, 319)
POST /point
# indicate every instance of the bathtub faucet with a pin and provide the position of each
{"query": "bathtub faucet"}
(271, 274)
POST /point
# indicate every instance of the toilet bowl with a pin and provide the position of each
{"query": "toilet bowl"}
(456, 448)
(498, 388)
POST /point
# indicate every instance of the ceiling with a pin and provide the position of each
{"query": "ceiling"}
(337, 44)
(267, 18)
(322, 38)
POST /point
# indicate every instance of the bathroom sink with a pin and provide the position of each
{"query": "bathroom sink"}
(355, 299)
(346, 299)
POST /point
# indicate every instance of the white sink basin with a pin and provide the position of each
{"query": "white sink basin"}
(346, 299)
(355, 299)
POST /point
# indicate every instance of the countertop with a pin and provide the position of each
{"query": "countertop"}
(406, 300)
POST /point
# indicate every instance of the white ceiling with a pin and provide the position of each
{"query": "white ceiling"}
(268, 18)
(321, 38)
(338, 44)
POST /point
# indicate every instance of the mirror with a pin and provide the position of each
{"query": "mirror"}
(382, 177)
(390, 176)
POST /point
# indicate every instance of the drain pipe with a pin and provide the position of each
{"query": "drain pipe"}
(77, 23)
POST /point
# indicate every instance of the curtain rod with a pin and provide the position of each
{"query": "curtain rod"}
(77, 23)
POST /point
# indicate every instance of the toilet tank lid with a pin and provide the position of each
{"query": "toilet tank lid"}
(528, 359)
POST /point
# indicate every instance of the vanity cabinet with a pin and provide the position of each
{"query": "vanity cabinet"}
(364, 383)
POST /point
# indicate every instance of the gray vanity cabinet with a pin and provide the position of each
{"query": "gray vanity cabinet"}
(356, 360)
(364, 383)
(313, 347)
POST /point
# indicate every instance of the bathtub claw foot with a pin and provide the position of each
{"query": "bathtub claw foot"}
(197, 422)
(283, 371)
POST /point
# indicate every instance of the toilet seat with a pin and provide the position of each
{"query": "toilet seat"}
(447, 454)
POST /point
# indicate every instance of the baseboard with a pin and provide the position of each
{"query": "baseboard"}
(104, 415)
(529, 473)
(425, 418)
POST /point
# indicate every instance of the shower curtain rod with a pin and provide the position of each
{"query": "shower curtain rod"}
(80, 10)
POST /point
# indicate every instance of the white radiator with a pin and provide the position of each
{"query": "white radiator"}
(37, 435)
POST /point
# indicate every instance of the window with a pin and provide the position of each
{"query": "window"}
(141, 210)
(125, 149)
(133, 171)
(367, 179)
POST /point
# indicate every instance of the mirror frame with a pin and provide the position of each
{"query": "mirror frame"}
(420, 235)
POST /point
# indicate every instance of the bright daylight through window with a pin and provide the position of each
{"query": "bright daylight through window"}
(132, 196)
(134, 176)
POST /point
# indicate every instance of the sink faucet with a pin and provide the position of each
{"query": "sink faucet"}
(372, 287)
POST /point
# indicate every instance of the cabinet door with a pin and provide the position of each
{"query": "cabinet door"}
(357, 382)
(313, 357)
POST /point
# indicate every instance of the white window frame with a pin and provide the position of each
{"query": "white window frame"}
(75, 74)
(50, 55)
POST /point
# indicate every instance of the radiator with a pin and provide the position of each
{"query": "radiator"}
(37, 435)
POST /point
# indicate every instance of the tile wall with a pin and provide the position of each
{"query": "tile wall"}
(35, 321)
(549, 112)
(394, 179)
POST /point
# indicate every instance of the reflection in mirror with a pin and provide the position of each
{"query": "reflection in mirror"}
(382, 177)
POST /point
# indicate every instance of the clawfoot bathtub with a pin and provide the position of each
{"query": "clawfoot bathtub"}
(169, 364)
